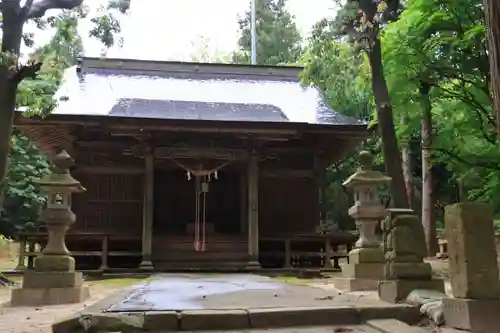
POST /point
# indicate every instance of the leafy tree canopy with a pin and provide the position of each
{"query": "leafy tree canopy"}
(278, 39)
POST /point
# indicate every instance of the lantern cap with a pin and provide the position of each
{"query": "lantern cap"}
(365, 175)
(60, 179)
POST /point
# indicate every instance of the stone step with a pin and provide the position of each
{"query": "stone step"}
(306, 329)
(394, 326)
(166, 265)
(232, 320)
(201, 256)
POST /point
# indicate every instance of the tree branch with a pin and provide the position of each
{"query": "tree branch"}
(38, 8)
(27, 71)
(26, 8)
(486, 165)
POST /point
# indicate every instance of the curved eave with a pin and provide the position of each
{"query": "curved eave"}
(53, 133)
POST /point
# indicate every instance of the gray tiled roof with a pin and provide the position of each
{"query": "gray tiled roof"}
(190, 95)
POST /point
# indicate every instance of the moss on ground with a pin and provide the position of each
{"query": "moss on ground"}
(124, 281)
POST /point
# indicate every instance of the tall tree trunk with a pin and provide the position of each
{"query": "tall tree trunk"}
(428, 197)
(407, 164)
(12, 30)
(7, 105)
(492, 15)
(392, 156)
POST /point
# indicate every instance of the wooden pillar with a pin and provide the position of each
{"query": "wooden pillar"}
(288, 254)
(147, 210)
(253, 210)
(328, 251)
(243, 202)
(320, 177)
(31, 249)
(104, 253)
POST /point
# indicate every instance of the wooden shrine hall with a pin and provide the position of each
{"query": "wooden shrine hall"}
(192, 165)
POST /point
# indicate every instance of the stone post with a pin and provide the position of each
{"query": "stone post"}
(54, 280)
(473, 269)
(366, 260)
(404, 248)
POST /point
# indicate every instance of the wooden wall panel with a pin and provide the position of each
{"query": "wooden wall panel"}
(286, 205)
(112, 203)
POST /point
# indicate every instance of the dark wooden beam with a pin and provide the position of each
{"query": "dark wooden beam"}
(286, 173)
(106, 170)
(193, 152)
(124, 145)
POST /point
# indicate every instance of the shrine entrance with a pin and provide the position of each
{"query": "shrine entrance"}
(198, 216)
(175, 203)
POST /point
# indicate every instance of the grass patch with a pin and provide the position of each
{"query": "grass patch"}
(290, 279)
(116, 282)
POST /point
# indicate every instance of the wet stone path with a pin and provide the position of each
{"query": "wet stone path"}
(235, 291)
(235, 303)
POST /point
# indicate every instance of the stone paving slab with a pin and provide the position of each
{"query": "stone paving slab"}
(181, 292)
(228, 302)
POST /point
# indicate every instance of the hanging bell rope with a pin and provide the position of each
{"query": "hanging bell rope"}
(202, 178)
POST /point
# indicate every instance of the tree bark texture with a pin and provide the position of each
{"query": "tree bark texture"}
(428, 197)
(12, 29)
(492, 16)
(407, 165)
(390, 149)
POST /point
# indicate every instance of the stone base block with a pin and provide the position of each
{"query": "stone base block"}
(395, 291)
(54, 263)
(478, 316)
(408, 270)
(41, 280)
(373, 270)
(146, 265)
(352, 284)
(253, 265)
(48, 296)
(366, 255)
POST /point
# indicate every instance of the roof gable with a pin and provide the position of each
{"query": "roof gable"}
(189, 91)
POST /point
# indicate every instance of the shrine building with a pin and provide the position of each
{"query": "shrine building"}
(193, 165)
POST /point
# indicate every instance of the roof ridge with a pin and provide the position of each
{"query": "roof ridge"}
(88, 63)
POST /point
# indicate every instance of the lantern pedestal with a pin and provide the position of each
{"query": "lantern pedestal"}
(54, 280)
(366, 260)
(50, 288)
(54, 263)
(364, 271)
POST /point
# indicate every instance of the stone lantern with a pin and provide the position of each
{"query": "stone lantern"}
(368, 209)
(366, 260)
(58, 217)
(54, 280)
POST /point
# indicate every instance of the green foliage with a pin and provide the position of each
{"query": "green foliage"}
(59, 53)
(342, 74)
(23, 200)
(444, 44)
(278, 40)
(344, 77)
(433, 42)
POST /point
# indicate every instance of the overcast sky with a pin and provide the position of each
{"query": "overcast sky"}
(167, 29)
